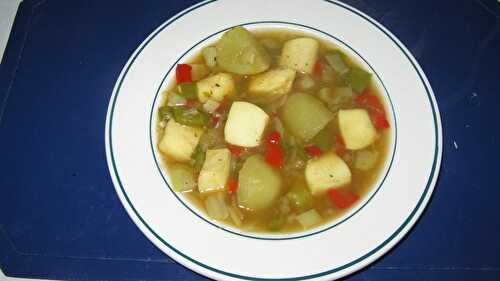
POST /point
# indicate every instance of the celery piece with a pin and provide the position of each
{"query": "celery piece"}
(336, 61)
(300, 197)
(188, 90)
(198, 158)
(358, 79)
(190, 116)
(323, 140)
(165, 112)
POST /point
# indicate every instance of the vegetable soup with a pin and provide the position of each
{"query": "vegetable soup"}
(273, 130)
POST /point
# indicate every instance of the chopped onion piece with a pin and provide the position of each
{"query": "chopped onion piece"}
(216, 206)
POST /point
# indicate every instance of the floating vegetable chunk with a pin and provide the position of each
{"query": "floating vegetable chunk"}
(305, 115)
(216, 87)
(272, 84)
(179, 141)
(245, 124)
(238, 51)
(356, 128)
(259, 184)
(215, 171)
(300, 54)
(325, 172)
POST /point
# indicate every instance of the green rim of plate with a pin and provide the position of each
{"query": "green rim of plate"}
(432, 175)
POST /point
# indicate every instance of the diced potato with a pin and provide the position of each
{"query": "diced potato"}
(182, 176)
(259, 184)
(356, 128)
(215, 171)
(245, 124)
(216, 87)
(309, 218)
(216, 206)
(238, 51)
(305, 115)
(300, 54)
(179, 141)
(325, 172)
(199, 71)
(273, 83)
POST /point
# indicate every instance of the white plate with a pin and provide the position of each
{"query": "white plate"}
(221, 252)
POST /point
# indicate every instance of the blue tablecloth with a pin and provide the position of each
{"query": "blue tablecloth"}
(60, 217)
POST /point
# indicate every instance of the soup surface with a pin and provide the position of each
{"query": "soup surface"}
(272, 131)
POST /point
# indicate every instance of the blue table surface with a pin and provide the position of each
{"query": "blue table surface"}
(60, 217)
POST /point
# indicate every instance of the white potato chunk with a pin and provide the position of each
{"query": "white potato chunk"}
(325, 172)
(300, 54)
(245, 124)
(215, 171)
(216, 87)
(273, 83)
(179, 141)
(356, 128)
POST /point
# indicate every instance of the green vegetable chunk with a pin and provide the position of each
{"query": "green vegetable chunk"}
(323, 140)
(259, 184)
(182, 177)
(336, 61)
(305, 115)
(300, 197)
(277, 222)
(358, 79)
(188, 90)
(238, 51)
(190, 116)
(165, 112)
(198, 158)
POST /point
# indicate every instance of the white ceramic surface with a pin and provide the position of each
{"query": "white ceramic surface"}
(218, 251)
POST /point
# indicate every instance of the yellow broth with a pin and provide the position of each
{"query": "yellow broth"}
(259, 221)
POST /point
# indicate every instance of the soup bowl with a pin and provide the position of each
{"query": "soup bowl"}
(332, 250)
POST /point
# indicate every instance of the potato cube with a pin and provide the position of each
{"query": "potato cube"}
(216, 87)
(300, 54)
(179, 141)
(356, 128)
(272, 84)
(215, 171)
(325, 172)
(245, 124)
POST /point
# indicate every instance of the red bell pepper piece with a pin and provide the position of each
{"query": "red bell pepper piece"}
(379, 120)
(340, 148)
(275, 155)
(274, 138)
(313, 150)
(342, 199)
(232, 186)
(236, 150)
(375, 109)
(318, 67)
(183, 73)
(215, 120)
